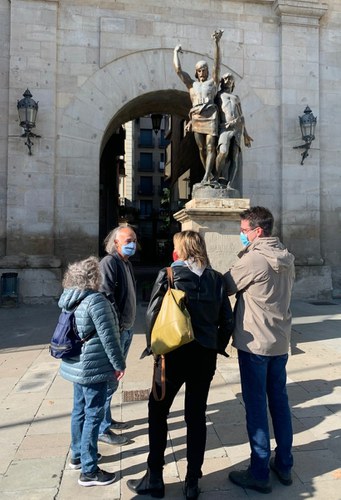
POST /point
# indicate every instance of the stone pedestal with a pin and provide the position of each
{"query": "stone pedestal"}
(204, 191)
(218, 221)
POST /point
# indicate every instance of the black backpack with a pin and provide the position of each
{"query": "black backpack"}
(66, 342)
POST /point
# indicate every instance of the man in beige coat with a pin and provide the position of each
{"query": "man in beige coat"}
(263, 280)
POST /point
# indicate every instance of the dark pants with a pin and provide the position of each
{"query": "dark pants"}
(193, 365)
(263, 381)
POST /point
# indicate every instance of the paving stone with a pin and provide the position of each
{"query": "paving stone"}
(36, 426)
(33, 473)
(313, 464)
(31, 494)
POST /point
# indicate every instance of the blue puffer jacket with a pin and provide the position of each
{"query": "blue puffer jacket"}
(101, 354)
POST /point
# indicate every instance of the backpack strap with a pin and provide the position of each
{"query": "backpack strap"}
(91, 334)
(88, 337)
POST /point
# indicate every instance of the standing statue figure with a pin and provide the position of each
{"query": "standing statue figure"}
(231, 129)
(204, 112)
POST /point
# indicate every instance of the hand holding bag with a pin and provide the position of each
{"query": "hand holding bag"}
(172, 327)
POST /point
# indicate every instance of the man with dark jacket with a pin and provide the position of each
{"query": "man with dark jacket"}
(120, 289)
(263, 279)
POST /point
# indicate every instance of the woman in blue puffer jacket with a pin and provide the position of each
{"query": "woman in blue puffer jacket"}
(101, 360)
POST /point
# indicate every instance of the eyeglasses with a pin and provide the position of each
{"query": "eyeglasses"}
(246, 231)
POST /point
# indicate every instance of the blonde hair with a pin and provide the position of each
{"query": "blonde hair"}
(84, 274)
(192, 246)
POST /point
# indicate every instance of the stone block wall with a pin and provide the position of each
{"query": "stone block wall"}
(39, 277)
(313, 282)
(4, 105)
(94, 67)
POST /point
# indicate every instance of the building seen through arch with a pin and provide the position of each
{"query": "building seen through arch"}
(139, 187)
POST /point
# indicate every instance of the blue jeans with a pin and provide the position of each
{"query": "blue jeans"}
(263, 380)
(87, 414)
(125, 339)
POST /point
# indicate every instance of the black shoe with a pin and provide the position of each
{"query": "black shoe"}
(192, 490)
(245, 479)
(284, 477)
(98, 478)
(149, 484)
(75, 463)
(110, 437)
(120, 425)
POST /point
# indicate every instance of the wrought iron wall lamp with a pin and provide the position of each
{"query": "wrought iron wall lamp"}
(27, 110)
(307, 124)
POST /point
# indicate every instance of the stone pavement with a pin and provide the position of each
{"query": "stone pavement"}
(36, 403)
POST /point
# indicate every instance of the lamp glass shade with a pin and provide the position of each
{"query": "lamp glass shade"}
(308, 124)
(156, 122)
(27, 110)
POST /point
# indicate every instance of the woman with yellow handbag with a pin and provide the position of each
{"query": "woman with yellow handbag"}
(192, 364)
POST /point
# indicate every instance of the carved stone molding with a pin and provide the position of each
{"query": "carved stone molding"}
(302, 13)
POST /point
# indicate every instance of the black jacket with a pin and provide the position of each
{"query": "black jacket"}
(207, 303)
(114, 285)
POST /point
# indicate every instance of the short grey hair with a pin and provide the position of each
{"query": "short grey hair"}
(83, 275)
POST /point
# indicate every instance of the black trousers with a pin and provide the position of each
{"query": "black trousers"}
(194, 366)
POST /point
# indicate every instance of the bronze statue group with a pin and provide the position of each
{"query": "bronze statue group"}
(216, 119)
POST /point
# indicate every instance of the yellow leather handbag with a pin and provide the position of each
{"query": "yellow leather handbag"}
(172, 327)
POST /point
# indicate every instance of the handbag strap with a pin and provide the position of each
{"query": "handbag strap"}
(163, 379)
(170, 277)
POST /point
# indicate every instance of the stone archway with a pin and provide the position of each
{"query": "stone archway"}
(129, 87)
(167, 102)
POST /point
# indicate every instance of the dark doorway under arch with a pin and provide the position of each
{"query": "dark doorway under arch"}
(171, 102)
(110, 164)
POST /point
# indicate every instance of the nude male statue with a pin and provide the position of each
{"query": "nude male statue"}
(204, 113)
(231, 128)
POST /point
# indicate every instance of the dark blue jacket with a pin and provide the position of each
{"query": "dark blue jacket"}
(101, 355)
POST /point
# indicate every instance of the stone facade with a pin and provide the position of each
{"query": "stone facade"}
(93, 67)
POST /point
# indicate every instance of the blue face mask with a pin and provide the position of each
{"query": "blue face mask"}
(244, 239)
(129, 249)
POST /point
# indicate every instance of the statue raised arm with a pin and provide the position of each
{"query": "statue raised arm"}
(204, 113)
